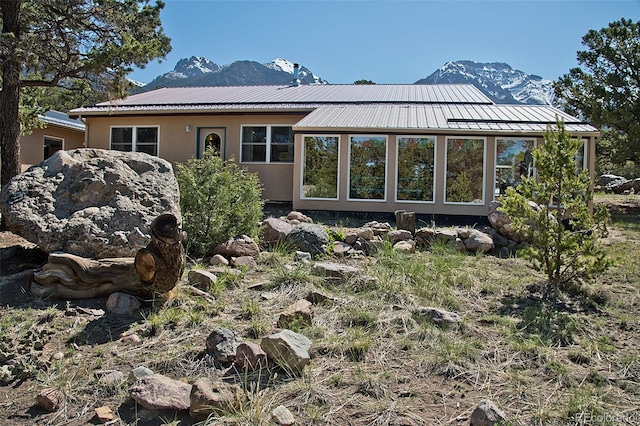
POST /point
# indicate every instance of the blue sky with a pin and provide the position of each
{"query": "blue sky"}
(387, 41)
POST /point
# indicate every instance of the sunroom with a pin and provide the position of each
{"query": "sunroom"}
(430, 158)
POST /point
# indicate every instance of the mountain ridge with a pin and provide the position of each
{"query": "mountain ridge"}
(199, 71)
(498, 80)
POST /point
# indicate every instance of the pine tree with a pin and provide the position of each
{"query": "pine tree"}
(605, 91)
(58, 43)
(562, 228)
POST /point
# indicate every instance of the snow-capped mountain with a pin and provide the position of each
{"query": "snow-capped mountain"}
(136, 83)
(304, 74)
(497, 80)
(198, 71)
(185, 70)
(194, 66)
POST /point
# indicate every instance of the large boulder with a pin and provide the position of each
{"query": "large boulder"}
(90, 202)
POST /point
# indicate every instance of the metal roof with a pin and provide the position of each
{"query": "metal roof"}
(61, 119)
(407, 106)
(223, 97)
(534, 118)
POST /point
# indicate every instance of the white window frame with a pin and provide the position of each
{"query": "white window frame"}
(484, 170)
(134, 136)
(268, 144)
(435, 167)
(585, 147)
(495, 168)
(302, 197)
(386, 167)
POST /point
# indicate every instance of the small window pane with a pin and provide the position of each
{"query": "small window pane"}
(147, 135)
(281, 153)
(147, 148)
(252, 134)
(213, 141)
(282, 135)
(127, 147)
(367, 167)
(415, 168)
(465, 171)
(579, 157)
(254, 153)
(320, 167)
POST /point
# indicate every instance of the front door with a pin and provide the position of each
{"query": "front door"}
(213, 137)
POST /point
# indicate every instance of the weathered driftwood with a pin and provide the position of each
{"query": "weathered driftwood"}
(155, 269)
(68, 276)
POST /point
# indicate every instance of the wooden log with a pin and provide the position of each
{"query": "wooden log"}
(406, 220)
(161, 264)
(155, 269)
(67, 276)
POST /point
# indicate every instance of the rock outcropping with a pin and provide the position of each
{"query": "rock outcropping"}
(92, 203)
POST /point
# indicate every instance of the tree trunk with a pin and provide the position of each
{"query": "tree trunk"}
(67, 276)
(161, 264)
(406, 220)
(156, 269)
(10, 93)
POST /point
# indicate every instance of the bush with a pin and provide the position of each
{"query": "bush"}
(219, 200)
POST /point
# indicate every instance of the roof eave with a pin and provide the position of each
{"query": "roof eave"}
(180, 111)
(423, 130)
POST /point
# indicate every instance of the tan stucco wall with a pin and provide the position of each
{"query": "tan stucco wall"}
(177, 145)
(282, 181)
(32, 146)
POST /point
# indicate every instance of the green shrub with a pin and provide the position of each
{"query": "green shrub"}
(219, 200)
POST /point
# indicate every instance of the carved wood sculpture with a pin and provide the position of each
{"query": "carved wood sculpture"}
(155, 269)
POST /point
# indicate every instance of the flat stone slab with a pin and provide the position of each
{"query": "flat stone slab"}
(330, 269)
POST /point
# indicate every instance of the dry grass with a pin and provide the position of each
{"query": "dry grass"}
(373, 362)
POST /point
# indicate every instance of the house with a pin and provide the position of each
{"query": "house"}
(430, 149)
(59, 132)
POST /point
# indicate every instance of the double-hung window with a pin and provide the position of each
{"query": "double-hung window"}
(135, 139)
(267, 144)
